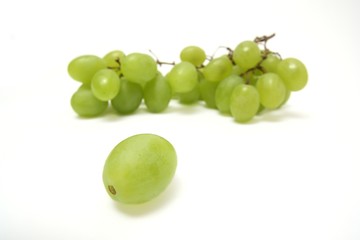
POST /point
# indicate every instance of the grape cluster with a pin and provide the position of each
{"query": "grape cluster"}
(241, 83)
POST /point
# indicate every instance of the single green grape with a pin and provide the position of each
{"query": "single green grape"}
(244, 102)
(218, 69)
(207, 92)
(114, 60)
(157, 94)
(105, 84)
(271, 63)
(83, 68)
(190, 97)
(85, 104)
(139, 68)
(247, 55)
(129, 97)
(224, 90)
(271, 89)
(294, 74)
(237, 70)
(194, 55)
(183, 77)
(139, 168)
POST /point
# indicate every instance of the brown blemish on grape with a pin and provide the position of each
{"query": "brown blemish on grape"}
(112, 189)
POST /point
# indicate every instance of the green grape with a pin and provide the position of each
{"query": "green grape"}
(190, 97)
(105, 84)
(114, 60)
(224, 90)
(287, 97)
(129, 97)
(237, 70)
(139, 68)
(157, 94)
(247, 55)
(254, 76)
(294, 74)
(83, 68)
(183, 77)
(207, 92)
(85, 104)
(244, 102)
(194, 55)
(271, 89)
(271, 63)
(218, 69)
(139, 168)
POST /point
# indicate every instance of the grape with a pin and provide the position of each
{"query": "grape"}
(254, 76)
(157, 94)
(190, 97)
(237, 70)
(218, 69)
(247, 55)
(294, 74)
(182, 77)
(139, 68)
(287, 97)
(129, 97)
(271, 89)
(224, 90)
(244, 102)
(105, 84)
(139, 168)
(84, 67)
(194, 55)
(271, 63)
(85, 104)
(114, 60)
(207, 92)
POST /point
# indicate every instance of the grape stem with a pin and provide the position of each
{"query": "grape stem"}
(161, 62)
(165, 63)
(118, 68)
(257, 67)
(230, 54)
(264, 39)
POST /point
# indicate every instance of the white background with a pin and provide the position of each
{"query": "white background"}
(289, 174)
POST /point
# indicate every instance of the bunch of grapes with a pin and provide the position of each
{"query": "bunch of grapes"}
(241, 83)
